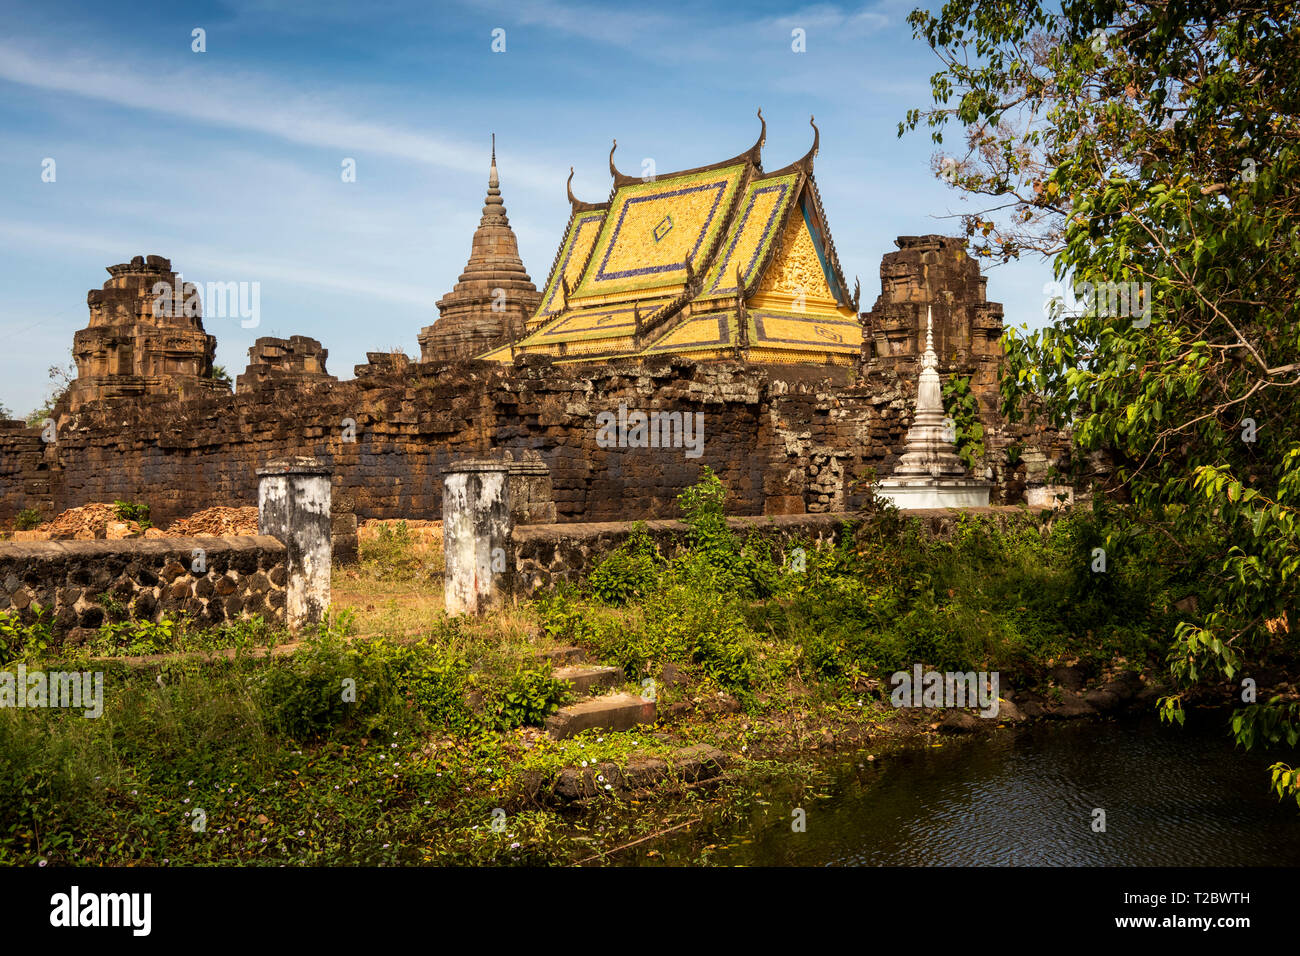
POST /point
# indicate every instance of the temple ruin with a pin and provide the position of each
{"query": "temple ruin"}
(145, 337)
(295, 361)
(715, 292)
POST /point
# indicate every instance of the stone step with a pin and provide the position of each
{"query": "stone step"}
(564, 656)
(584, 678)
(612, 712)
(691, 765)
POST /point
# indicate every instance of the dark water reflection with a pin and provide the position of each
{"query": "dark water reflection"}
(1172, 797)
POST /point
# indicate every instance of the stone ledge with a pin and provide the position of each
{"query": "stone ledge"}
(151, 547)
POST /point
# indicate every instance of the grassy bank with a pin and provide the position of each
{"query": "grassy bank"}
(392, 735)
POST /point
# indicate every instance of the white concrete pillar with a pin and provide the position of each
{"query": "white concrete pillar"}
(476, 529)
(293, 504)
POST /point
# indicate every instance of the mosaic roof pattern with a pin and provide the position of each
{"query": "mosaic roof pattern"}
(795, 331)
(598, 323)
(573, 253)
(712, 330)
(758, 220)
(651, 229)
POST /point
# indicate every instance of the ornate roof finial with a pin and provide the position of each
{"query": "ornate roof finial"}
(806, 162)
(568, 186)
(756, 151)
(613, 170)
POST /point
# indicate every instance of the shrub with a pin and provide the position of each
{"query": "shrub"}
(20, 641)
(531, 695)
(393, 553)
(716, 553)
(630, 572)
(130, 511)
(687, 624)
(137, 637)
(562, 615)
(28, 519)
(307, 694)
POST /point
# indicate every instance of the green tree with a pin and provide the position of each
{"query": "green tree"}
(61, 378)
(1150, 149)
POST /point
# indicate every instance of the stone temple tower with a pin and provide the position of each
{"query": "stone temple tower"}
(934, 275)
(494, 296)
(138, 344)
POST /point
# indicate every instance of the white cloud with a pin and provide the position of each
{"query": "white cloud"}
(246, 101)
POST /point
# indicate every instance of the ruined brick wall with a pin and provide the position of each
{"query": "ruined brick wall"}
(82, 582)
(24, 475)
(781, 443)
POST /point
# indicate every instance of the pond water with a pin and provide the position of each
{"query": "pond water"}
(1173, 797)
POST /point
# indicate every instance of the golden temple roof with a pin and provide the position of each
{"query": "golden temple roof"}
(720, 261)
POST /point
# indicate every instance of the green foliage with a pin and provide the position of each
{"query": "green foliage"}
(630, 572)
(37, 416)
(961, 405)
(393, 554)
(132, 637)
(326, 685)
(220, 374)
(27, 519)
(717, 554)
(1150, 149)
(130, 511)
(987, 599)
(19, 641)
(531, 695)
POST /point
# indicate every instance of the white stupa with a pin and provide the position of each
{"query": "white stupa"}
(930, 474)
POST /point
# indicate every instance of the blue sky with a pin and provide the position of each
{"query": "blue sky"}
(228, 162)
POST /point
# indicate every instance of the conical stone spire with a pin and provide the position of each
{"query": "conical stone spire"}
(495, 294)
(930, 448)
(494, 207)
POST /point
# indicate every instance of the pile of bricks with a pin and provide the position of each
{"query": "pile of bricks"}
(214, 521)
